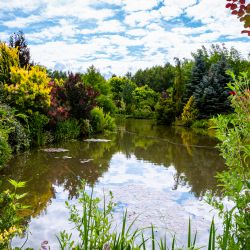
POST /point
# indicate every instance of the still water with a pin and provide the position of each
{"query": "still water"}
(159, 173)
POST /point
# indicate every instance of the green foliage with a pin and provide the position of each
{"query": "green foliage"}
(18, 134)
(122, 89)
(211, 94)
(143, 113)
(92, 224)
(97, 119)
(106, 102)
(199, 70)
(68, 129)
(100, 121)
(37, 123)
(85, 127)
(94, 79)
(8, 58)
(158, 78)
(179, 85)
(189, 113)
(5, 150)
(203, 123)
(11, 224)
(28, 90)
(145, 98)
(233, 132)
(165, 111)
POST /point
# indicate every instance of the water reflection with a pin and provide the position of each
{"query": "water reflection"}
(172, 164)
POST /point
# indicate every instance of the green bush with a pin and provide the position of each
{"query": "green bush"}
(144, 113)
(85, 127)
(106, 103)
(190, 112)
(100, 121)
(109, 123)
(37, 123)
(5, 150)
(204, 123)
(165, 111)
(68, 129)
(18, 134)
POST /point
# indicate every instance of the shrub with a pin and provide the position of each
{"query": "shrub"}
(145, 97)
(165, 111)
(18, 135)
(59, 105)
(29, 89)
(100, 121)
(109, 123)
(8, 58)
(5, 150)
(190, 112)
(97, 120)
(81, 97)
(37, 123)
(106, 103)
(204, 123)
(143, 113)
(85, 127)
(68, 129)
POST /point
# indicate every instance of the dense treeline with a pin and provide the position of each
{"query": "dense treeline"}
(38, 106)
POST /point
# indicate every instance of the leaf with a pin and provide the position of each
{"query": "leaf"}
(17, 184)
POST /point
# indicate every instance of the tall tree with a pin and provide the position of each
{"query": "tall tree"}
(199, 70)
(17, 40)
(211, 94)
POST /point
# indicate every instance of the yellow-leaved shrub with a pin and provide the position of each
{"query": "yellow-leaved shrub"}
(190, 112)
(8, 58)
(29, 89)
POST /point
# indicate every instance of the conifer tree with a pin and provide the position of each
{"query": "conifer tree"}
(198, 72)
(210, 93)
(17, 40)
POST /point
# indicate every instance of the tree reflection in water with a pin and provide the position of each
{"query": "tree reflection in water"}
(195, 166)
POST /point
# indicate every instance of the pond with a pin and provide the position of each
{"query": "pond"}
(159, 173)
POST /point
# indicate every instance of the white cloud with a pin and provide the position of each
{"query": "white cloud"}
(73, 45)
(139, 5)
(141, 18)
(110, 26)
(21, 22)
(24, 5)
(173, 8)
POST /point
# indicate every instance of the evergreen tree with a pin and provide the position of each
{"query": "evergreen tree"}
(17, 40)
(210, 93)
(198, 72)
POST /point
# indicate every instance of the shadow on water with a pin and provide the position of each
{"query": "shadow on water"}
(194, 158)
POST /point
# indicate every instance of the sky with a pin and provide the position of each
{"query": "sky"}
(117, 36)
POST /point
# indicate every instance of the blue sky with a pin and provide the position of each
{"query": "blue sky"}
(119, 35)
